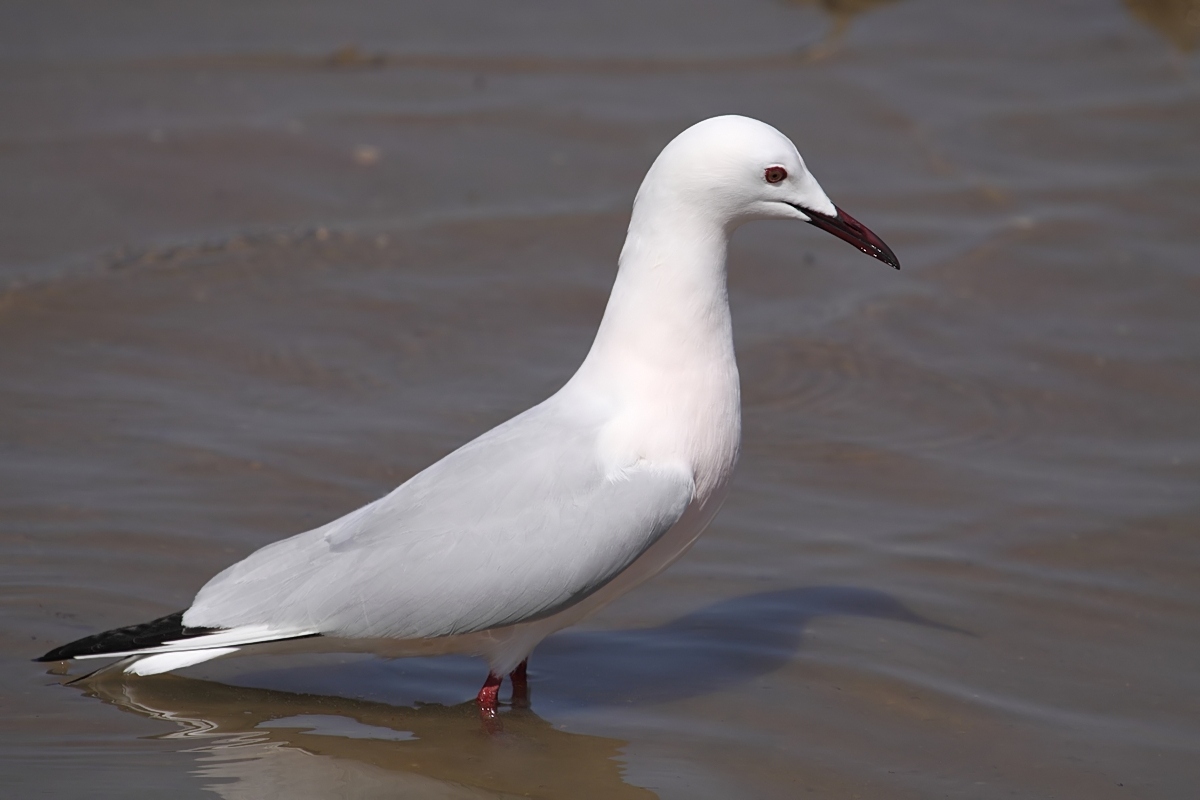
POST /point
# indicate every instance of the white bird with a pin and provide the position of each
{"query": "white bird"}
(558, 511)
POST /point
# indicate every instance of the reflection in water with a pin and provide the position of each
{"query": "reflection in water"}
(1178, 21)
(261, 743)
(843, 13)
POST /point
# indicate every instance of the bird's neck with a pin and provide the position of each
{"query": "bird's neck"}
(663, 355)
(669, 308)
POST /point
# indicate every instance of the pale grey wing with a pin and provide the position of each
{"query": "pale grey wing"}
(514, 526)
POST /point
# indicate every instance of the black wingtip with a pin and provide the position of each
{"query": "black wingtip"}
(124, 640)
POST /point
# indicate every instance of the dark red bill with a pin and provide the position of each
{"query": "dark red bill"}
(848, 229)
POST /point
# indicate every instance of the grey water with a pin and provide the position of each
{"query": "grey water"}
(259, 263)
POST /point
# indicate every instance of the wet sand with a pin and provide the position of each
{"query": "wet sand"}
(260, 265)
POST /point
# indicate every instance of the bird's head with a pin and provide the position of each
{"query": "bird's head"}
(735, 169)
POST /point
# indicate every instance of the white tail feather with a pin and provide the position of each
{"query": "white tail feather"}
(165, 662)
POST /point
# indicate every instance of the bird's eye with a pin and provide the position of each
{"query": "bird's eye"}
(775, 174)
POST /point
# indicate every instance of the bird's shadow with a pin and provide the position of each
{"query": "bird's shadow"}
(717, 647)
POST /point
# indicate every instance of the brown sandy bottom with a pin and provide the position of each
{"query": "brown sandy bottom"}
(261, 265)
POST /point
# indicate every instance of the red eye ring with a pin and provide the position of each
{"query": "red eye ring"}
(775, 174)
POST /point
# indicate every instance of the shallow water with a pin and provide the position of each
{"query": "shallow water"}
(263, 263)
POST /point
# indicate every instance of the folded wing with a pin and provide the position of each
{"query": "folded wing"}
(516, 525)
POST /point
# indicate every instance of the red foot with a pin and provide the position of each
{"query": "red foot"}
(489, 697)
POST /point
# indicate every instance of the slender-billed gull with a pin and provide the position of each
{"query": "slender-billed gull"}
(558, 511)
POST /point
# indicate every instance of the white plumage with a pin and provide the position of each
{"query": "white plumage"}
(559, 510)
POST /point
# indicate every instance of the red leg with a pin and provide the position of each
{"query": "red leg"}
(489, 697)
(520, 684)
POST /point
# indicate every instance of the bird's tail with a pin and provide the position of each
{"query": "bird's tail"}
(166, 644)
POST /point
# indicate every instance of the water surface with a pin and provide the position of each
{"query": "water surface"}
(261, 264)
